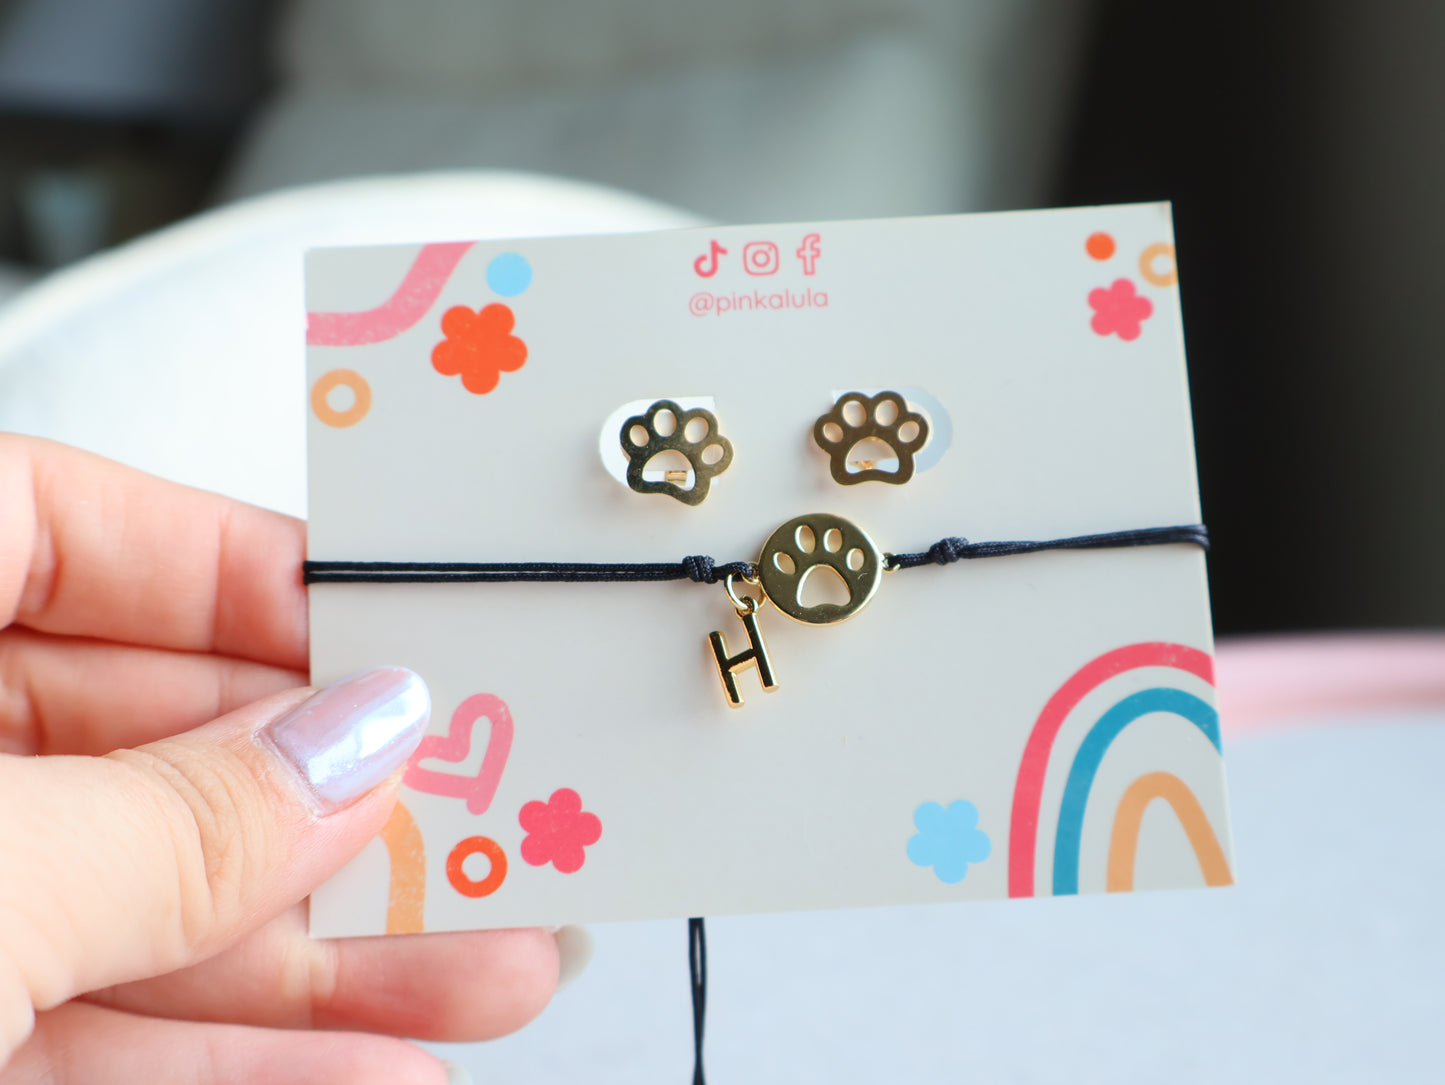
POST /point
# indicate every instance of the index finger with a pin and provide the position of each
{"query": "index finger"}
(91, 548)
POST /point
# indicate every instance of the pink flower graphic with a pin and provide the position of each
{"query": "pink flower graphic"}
(558, 830)
(1119, 310)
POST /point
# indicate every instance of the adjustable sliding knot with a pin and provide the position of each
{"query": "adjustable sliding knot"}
(701, 569)
(943, 552)
(947, 551)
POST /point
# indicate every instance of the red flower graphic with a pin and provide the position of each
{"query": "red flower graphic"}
(1119, 310)
(558, 830)
(480, 346)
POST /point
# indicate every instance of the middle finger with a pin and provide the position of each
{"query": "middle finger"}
(71, 695)
(463, 986)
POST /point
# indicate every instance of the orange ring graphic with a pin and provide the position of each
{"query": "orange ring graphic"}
(329, 382)
(1146, 264)
(475, 845)
(1124, 841)
(407, 899)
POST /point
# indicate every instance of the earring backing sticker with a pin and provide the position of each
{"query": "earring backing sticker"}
(920, 401)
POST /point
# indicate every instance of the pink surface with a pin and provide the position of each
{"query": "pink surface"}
(1268, 682)
(416, 294)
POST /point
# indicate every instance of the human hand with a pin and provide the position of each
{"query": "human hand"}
(153, 864)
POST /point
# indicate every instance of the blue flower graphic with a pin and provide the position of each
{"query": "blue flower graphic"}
(948, 840)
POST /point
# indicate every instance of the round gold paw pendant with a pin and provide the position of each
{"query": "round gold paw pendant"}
(810, 545)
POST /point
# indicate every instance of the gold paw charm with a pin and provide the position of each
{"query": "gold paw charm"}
(798, 548)
(692, 433)
(856, 418)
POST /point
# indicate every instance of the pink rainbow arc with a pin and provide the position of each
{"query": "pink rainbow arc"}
(1028, 789)
(424, 281)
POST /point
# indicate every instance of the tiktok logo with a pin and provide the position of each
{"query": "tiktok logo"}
(759, 257)
(706, 265)
(808, 252)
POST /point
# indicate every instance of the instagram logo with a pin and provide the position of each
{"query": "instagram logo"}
(760, 258)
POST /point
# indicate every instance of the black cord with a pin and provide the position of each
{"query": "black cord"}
(947, 551)
(697, 962)
(700, 568)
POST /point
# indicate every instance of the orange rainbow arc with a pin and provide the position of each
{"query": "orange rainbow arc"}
(406, 902)
(1129, 818)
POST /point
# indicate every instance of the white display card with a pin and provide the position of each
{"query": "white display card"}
(995, 727)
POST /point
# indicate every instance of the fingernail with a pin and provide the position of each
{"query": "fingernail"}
(456, 1075)
(574, 951)
(351, 736)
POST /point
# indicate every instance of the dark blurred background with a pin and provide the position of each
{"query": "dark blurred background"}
(1300, 142)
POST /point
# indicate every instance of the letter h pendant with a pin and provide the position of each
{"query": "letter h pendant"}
(756, 654)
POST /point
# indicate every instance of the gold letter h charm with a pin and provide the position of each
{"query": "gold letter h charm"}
(756, 653)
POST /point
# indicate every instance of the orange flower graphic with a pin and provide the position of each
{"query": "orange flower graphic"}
(479, 346)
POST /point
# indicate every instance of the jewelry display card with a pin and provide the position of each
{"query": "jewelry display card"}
(994, 727)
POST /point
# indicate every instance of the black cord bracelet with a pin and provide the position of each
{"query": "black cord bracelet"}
(790, 552)
(701, 569)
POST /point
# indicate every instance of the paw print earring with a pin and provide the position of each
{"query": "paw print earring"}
(856, 421)
(689, 438)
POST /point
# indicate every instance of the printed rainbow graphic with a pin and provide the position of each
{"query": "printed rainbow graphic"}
(1128, 817)
(406, 850)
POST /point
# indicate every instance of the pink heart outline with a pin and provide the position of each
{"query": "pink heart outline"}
(478, 790)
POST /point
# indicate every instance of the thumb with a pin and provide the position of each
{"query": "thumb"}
(140, 862)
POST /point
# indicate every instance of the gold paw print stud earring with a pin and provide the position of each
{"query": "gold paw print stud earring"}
(688, 436)
(857, 421)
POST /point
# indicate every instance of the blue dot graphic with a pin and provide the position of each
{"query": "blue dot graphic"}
(509, 274)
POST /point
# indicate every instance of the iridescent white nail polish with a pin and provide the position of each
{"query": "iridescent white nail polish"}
(352, 735)
(574, 953)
